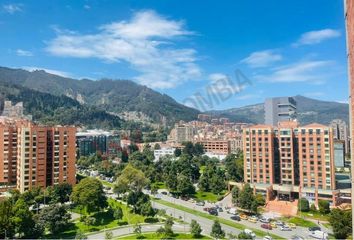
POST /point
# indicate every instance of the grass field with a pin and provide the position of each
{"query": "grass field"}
(314, 215)
(156, 236)
(206, 196)
(211, 217)
(299, 222)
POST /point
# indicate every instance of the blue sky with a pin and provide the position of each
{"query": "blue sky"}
(185, 48)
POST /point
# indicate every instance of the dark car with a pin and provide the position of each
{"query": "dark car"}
(164, 193)
(213, 211)
(312, 229)
(236, 218)
(266, 226)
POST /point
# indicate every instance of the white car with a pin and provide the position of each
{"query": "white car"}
(319, 235)
(250, 232)
(285, 228)
(267, 237)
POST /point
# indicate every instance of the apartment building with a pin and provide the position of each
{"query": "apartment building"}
(288, 161)
(279, 109)
(235, 143)
(216, 146)
(35, 155)
(341, 132)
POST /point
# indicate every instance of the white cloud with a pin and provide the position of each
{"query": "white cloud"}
(214, 77)
(315, 72)
(12, 8)
(51, 71)
(314, 37)
(262, 58)
(24, 53)
(146, 42)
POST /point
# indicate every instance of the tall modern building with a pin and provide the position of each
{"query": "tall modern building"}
(349, 19)
(340, 132)
(289, 161)
(34, 155)
(279, 109)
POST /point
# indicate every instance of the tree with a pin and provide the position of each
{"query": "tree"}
(60, 193)
(260, 200)
(118, 213)
(108, 235)
(23, 218)
(303, 205)
(196, 230)
(89, 194)
(246, 198)
(80, 235)
(6, 219)
(185, 186)
(130, 179)
(137, 229)
(166, 230)
(198, 149)
(216, 230)
(147, 209)
(55, 218)
(157, 146)
(177, 152)
(341, 222)
(235, 193)
(323, 206)
(243, 235)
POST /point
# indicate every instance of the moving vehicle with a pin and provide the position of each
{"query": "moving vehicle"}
(312, 229)
(236, 218)
(200, 203)
(285, 228)
(319, 234)
(292, 225)
(250, 232)
(266, 226)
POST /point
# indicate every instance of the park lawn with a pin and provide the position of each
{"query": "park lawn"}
(299, 222)
(259, 233)
(156, 236)
(315, 215)
(206, 196)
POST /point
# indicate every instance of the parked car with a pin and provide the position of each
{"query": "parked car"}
(312, 229)
(266, 226)
(243, 217)
(200, 203)
(285, 228)
(267, 237)
(250, 232)
(232, 211)
(236, 218)
(264, 220)
(252, 219)
(273, 225)
(164, 193)
(292, 225)
(213, 211)
(279, 223)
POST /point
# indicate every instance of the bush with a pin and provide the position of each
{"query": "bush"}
(323, 206)
(313, 208)
(303, 205)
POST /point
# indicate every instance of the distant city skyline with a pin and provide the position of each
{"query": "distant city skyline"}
(180, 48)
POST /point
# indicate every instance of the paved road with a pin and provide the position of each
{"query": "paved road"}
(122, 231)
(300, 231)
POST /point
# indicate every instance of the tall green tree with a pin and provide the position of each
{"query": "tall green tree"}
(89, 195)
(195, 229)
(235, 194)
(7, 224)
(341, 222)
(216, 230)
(131, 179)
(323, 206)
(23, 218)
(303, 205)
(185, 186)
(55, 218)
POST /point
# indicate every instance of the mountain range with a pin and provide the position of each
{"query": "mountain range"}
(103, 103)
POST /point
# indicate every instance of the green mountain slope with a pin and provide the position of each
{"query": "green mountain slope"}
(114, 96)
(308, 110)
(50, 109)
